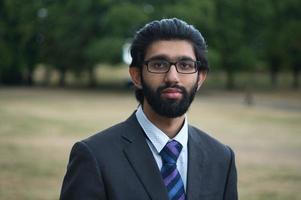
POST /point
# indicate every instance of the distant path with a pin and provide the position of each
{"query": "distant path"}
(282, 100)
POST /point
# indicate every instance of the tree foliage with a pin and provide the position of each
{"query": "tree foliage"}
(75, 36)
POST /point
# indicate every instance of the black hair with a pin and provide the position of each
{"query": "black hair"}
(166, 29)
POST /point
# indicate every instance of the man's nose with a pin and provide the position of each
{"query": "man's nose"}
(172, 75)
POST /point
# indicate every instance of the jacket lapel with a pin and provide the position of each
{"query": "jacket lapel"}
(195, 175)
(141, 159)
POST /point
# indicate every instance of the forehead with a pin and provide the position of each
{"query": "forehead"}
(170, 49)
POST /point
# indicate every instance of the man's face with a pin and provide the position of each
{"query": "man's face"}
(170, 94)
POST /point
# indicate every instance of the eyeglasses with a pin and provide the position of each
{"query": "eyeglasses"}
(160, 66)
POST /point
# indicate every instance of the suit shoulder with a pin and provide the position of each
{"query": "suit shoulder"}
(112, 131)
(208, 142)
(107, 138)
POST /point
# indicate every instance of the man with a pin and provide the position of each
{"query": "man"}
(155, 154)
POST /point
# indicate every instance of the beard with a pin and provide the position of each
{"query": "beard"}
(170, 108)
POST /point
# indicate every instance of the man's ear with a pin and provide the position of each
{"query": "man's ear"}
(135, 73)
(202, 77)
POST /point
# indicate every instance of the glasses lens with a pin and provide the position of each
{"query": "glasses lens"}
(158, 66)
(186, 66)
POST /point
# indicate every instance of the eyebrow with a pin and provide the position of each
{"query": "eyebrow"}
(164, 57)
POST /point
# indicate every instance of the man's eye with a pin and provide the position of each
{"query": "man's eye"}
(186, 65)
(159, 64)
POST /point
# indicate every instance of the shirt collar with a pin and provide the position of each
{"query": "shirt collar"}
(156, 136)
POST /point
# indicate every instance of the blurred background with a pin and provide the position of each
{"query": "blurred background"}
(64, 76)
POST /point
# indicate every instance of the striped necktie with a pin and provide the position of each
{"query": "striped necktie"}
(171, 176)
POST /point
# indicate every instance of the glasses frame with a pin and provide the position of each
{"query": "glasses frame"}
(196, 64)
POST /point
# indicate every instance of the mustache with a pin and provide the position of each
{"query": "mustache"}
(163, 87)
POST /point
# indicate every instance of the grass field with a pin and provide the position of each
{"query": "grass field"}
(39, 126)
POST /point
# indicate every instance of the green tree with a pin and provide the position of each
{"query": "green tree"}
(118, 24)
(228, 37)
(293, 52)
(239, 37)
(80, 34)
(122, 20)
(68, 30)
(290, 38)
(19, 48)
(282, 43)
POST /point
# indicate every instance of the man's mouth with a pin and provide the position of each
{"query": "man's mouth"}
(172, 93)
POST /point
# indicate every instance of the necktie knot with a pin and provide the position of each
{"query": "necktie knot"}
(171, 152)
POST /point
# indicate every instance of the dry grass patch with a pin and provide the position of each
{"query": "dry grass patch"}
(38, 127)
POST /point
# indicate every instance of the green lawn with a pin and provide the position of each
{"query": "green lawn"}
(39, 126)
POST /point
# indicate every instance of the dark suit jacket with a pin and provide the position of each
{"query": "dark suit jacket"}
(117, 164)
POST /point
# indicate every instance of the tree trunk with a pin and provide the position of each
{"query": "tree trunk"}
(296, 74)
(12, 75)
(47, 75)
(230, 82)
(274, 69)
(29, 77)
(62, 80)
(274, 78)
(92, 78)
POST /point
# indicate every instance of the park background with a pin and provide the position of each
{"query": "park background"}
(63, 78)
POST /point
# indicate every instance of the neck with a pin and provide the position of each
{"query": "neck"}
(169, 126)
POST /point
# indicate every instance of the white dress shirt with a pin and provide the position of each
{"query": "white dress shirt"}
(156, 140)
